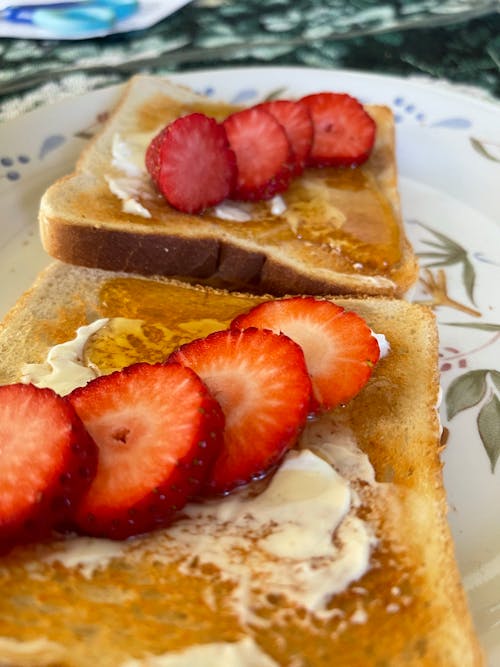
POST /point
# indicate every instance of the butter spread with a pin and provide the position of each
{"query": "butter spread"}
(301, 536)
(85, 553)
(244, 653)
(128, 156)
(232, 210)
(286, 534)
(278, 205)
(337, 445)
(240, 211)
(383, 344)
(64, 370)
(128, 189)
(128, 159)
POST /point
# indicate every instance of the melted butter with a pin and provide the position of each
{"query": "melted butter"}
(261, 539)
(243, 653)
(88, 554)
(64, 369)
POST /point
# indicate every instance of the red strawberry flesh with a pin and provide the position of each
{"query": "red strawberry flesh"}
(48, 461)
(192, 163)
(344, 133)
(261, 382)
(338, 345)
(263, 152)
(153, 154)
(158, 431)
(296, 120)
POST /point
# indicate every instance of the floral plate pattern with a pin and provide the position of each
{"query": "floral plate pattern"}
(449, 166)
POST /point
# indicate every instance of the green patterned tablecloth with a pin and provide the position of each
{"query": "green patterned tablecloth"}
(454, 40)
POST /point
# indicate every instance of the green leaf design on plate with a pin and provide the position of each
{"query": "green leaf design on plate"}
(275, 94)
(469, 278)
(495, 376)
(447, 244)
(481, 326)
(488, 422)
(479, 147)
(450, 253)
(465, 391)
(469, 390)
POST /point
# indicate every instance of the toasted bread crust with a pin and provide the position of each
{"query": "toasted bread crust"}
(210, 260)
(81, 222)
(416, 612)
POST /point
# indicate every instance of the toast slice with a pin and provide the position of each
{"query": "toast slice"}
(335, 231)
(203, 589)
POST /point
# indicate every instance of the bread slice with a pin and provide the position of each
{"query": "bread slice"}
(77, 602)
(340, 230)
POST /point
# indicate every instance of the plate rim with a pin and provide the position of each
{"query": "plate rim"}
(439, 87)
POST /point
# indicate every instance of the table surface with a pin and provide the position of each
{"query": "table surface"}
(452, 40)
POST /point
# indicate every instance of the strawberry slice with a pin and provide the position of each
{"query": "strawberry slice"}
(263, 154)
(153, 154)
(158, 431)
(48, 461)
(295, 118)
(344, 133)
(191, 163)
(338, 345)
(261, 382)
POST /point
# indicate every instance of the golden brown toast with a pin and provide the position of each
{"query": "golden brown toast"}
(166, 592)
(335, 230)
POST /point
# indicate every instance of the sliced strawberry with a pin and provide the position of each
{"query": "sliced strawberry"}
(47, 459)
(344, 133)
(261, 382)
(153, 154)
(338, 345)
(158, 431)
(191, 163)
(295, 118)
(263, 154)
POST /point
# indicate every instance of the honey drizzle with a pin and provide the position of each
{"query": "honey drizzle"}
(149, 320)
(337, 218)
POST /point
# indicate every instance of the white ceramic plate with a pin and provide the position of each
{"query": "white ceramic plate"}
(449, 164)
